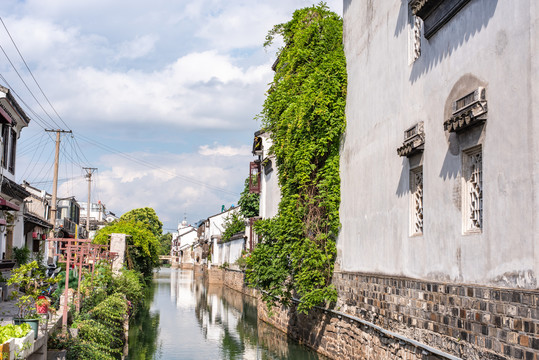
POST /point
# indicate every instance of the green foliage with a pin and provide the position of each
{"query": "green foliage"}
(143, 256)
(249, 202)
(111, 311)
(165, 243)
(148, 217)
(31, 281)
(130, 284)
(13, 331)
(234, 224)
(304, 114)
(21, 255)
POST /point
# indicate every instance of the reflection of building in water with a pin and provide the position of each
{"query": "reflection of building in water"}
(173, 285)
(229, 319)
(185, 297)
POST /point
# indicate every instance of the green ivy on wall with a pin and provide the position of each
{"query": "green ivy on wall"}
(304, 113)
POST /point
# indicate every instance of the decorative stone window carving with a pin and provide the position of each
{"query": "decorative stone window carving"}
(468, 111)
(414, 37)
(472, 171)
(414, 140)
(416, 203)
(435, 13)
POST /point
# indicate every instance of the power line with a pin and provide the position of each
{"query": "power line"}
(30, 71)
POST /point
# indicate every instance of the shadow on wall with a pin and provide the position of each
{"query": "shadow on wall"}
(472, 19)
(451, 165)
(346, 5)
(403, 188)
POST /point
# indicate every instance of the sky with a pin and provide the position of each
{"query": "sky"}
(161, 97)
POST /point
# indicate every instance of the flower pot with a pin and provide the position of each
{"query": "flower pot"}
(34, 324)
(42, 309)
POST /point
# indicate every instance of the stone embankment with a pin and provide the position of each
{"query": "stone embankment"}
(380, 317)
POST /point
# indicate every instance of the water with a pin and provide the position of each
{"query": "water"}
(186, 318)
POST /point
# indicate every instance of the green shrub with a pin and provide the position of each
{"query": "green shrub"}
(234, 224)
(129, 283)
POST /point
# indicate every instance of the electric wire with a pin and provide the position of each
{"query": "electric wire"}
(30, 71)
(27, 87)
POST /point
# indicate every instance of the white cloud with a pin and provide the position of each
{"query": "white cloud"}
(192, 70)
(136, 48)
(205, 150)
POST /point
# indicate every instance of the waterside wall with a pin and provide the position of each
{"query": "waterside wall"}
(380, 317)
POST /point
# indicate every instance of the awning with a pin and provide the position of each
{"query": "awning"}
(4, 118)
(3, 222)
(6, 205)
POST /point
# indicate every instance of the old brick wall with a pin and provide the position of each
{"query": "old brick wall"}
(339, 338)
(216, 275)
(472, 322)
(235, 279)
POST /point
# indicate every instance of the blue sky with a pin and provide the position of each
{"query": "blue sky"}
(172, 87)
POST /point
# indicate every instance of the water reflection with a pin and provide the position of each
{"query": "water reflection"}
(189, 319)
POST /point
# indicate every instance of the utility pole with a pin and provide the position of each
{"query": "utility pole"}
(55, 184)
(89, 172)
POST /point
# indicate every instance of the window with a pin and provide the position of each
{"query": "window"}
(254, 177)
(11, 167)
(436, 13)
(416, 201)
(5, 144)
(472, 172)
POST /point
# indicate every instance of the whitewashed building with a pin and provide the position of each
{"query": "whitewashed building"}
(439, 171)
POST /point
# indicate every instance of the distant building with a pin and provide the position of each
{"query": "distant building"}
(98, 217)
(37, 223)
(183, 242)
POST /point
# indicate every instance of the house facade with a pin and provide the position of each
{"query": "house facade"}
(439, 179)
(182, 244)
(12, 195)
(37, 224)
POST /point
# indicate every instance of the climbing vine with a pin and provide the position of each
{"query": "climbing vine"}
(304, 113)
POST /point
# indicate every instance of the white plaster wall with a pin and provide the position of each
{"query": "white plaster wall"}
(495, 42)
(227, 252)
(188, 239)
(18, 229)
(270, 193)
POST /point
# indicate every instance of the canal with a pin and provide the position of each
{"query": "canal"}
(185, 318)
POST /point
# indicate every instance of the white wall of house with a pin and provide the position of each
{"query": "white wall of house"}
(493, 44)
(227, 252)
(270, 194)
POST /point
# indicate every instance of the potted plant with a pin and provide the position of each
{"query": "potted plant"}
(30, 282)
(42, 305)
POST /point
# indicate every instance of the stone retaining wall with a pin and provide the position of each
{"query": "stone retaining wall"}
(469, 321)
(216, 275)
(338, 338)
(235, 279)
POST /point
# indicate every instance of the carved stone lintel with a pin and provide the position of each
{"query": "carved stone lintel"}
(472, 115)
(414, 141)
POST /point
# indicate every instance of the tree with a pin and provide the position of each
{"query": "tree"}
(142, 253)
(249, 202)
(304, 115)
(165, 244)
(146, 216)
